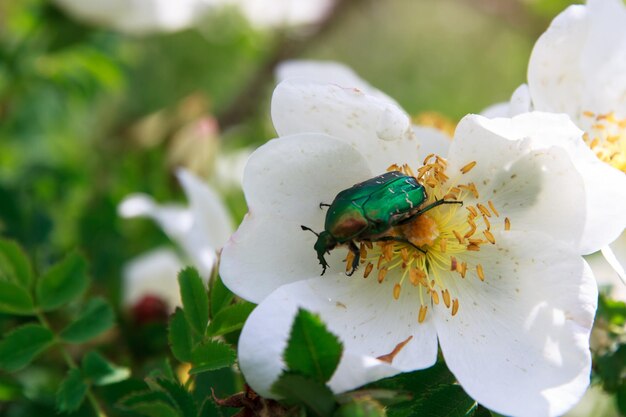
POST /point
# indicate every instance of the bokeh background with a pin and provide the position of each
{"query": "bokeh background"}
(90, 114)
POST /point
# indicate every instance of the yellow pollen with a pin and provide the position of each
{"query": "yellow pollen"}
(446, 297)
(483, 210)
(606, 137)
(487, 224)
(368, 269)
(396, 291)
(435, 296)
(467, 168)
(463, 269)
(422, 314)
(349, 259)
(493, 208)
(489, 237)
(381, 274)
(455, 306)
(507, 224)
(479, 272)
(458, 236)
(422, 231)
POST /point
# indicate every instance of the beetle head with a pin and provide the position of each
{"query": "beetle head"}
(324, 244)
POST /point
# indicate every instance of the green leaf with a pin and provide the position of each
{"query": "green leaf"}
(15, 299)
(179, 395)
(14, 265)
(96, 317)
(195, 299)
(71, 393)
(209, 409)
(102, 372)
(219, 296)
(481, 411)
(150, 404)
(312, 350)
(22, 345)
(362, 407)
(230, 319)
(179, 335)
(63, 282)
(444, 401)
(212, 355)
(418, 382)
(298, 389)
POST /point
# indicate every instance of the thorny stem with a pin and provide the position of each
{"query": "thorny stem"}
(71, 363)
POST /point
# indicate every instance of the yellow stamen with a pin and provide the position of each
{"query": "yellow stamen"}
(455, 306)
(489, 237)
(493, 208)
(446, 297)
(422, 314)
(381, 274)
(483, 210)
(480, 272)
(507, 224)
(467, 168)
(396, 291)
(368, 269)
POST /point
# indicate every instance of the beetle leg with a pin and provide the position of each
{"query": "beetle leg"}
(428, 207)
(357, 256)
(398, 239)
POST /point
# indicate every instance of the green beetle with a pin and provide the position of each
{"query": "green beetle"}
(366, 211)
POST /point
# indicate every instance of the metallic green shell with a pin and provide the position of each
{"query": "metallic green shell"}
(373, 206)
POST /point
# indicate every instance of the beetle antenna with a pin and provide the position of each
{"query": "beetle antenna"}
(310, 230)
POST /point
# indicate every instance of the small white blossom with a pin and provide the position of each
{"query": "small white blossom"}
(199, 230)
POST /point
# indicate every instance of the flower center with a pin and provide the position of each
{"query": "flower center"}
(434, 247)
(606, 136)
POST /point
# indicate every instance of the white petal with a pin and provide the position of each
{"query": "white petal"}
(431, 141)
(174, 219)
(328, 72)
(579, 63)
(288, 178)
(605, 187)
(520, 341)
(363, 313)
(372, 126)
(210, 215)
(526, 186)
(154, 273)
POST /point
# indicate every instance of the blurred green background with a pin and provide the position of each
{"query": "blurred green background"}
(89, 115)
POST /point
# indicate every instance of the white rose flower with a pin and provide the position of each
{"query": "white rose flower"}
(199, 230)
(578, 67)
(141, 17)
(501, 284)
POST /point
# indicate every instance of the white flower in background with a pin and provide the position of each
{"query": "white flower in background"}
(152, 275)
(199, 230)
(153, 16)
(138, 16)
(500, 286)
(578, 67)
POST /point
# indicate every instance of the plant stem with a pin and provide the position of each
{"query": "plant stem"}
(71, 363)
